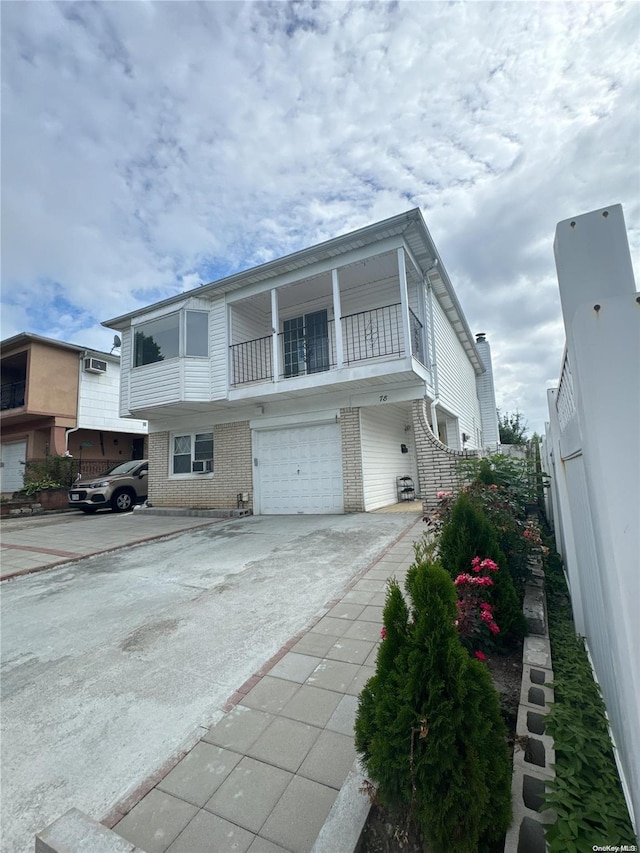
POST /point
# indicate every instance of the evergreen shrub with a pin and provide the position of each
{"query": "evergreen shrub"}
(429, 726)
(467, 533)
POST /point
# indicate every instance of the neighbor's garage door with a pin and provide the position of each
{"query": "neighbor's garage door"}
(14, 454)
(299, 470)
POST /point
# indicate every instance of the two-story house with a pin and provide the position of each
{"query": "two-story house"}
(59, 398)
(292, 383)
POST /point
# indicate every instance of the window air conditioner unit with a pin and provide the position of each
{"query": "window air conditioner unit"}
(95, 365)
(204, 466)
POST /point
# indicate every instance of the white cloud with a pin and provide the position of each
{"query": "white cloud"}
(150, 146)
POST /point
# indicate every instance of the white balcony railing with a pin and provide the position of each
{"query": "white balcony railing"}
(374, 334)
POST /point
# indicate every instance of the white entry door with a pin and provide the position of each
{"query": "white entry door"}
(14, 454)
(299, 470)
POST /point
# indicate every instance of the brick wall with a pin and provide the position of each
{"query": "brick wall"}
(232, 471)
(437, 463)
(351, 460)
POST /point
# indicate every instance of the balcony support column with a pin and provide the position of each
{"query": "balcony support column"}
(422, 307)
(404, 302)
(337, 317)
(275, 352)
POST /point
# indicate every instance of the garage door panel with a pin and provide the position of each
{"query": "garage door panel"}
(13, 455)
(300, 470)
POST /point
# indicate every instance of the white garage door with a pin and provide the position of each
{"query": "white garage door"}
(299, 470)
(14, 454)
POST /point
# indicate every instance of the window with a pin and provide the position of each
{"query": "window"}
(306, 344)
(161, 339)
(197, 323)
(192, 453)
(157, 340)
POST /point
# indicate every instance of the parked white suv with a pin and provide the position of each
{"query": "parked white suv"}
(120, 488)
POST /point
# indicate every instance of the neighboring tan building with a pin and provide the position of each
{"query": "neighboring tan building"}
(306, 384)
(59, 398)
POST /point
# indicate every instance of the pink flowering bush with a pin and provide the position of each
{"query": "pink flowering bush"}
(467, 534)
(532, 535)
(476, 623)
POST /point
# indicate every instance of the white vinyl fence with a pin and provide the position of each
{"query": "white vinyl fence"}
(592, 451)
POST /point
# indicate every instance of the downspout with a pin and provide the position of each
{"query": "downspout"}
(434, 365)
(68, 432)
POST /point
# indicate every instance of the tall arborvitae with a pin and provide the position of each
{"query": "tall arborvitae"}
(429, 725)
(468, 533)
(378, 707)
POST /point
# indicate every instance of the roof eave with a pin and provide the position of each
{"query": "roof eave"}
(400, 223)
(298, 259)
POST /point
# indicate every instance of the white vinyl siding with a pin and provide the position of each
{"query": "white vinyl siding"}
(126, 336)
(456, 377)
(367, 297)
(382, 430)
(155, 384)
(218, 349)
(196, 378)
(248, 322)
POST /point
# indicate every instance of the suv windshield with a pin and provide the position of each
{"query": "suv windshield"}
(122, 468)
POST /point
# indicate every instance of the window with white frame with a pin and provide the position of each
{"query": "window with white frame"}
(196, 334)
(192, 453)
(184, 333)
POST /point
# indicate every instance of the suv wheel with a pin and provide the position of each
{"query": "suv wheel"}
(122, 501)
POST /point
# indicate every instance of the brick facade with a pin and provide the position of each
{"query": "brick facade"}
(352, 486)
(232, 467)
(437, 463)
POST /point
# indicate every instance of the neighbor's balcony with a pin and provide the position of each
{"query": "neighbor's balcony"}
(12, 395)
(374, 335)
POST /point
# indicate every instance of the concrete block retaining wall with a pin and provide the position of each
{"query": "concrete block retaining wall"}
(534, 753)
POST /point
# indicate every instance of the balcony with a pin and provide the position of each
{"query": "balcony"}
(12, 395)
(308, 345)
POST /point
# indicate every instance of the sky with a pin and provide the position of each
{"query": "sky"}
(151, 147)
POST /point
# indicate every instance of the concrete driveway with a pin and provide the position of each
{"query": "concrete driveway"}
(113, 664)
(32, 543)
